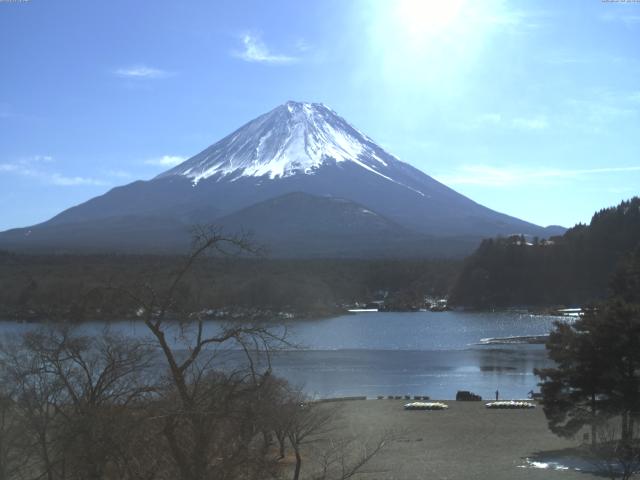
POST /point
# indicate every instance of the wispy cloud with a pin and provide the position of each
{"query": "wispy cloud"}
(581, 58)
(492, 176)
(601, 111)
(302, 45)
(538, 122)
(166, 161)
(494, 119)
(255, 50)
(36, 159)
(66, 181)
(623, 16)
(142, 72)
(515, 19)
(117, 173)
(32, 167)
(488, 119)
(564, 58)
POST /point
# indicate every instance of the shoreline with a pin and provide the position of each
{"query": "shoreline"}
(32, 316)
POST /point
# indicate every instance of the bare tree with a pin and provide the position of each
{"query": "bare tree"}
(345, 458)
(307, 421)
(209, 412)
(311, 429)
(278, 398)
(12, 438)
(35, 396)
(99, 408)
(75, 398)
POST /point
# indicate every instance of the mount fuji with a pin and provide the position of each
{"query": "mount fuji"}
(302, 179)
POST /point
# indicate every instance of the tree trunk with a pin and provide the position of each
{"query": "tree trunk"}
(625, 428)
(281, 442)
(267, 440)
(45, 456)
(296, 473)
(593, 420)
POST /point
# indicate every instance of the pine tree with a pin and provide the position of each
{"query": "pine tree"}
(596, 378)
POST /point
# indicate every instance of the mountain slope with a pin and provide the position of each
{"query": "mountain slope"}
(297, 147)
(317, 225)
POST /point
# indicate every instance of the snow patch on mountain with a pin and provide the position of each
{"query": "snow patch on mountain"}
(295, 138)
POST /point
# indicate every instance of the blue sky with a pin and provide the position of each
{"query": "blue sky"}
(530, 108)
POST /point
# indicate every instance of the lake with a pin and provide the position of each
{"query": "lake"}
(387, 353)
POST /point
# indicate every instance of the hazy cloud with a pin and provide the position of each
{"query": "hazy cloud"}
(39, 159)
(493, 119)
(622, 16)
(516, 19)
(567, 57)
(166, 161)
(32, 167)
(255, 50)
(492, 176)
(597, 116)
(117, 173)
(66, 181)
(489, 118)
(302, 45)
(141, 71)
(532, 123)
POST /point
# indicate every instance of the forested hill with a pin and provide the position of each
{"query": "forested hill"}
(572, 269)
(85, 287)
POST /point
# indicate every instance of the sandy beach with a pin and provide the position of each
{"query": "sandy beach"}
(466, 441)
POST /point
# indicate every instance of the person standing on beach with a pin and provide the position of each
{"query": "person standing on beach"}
(497, 395)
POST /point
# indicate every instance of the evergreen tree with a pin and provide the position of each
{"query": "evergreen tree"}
(596, 378)
(574, 389)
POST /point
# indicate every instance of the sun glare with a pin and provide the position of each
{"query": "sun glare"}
(427, 18)
(423, 46)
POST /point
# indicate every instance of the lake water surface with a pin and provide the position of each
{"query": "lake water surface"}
(421, 353)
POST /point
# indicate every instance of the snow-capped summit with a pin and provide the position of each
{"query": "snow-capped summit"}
(294, 138)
